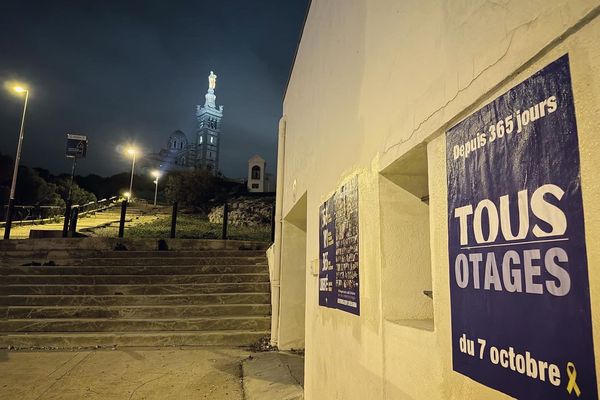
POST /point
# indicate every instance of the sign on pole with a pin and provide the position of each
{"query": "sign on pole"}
(519, 286)
(76, 146)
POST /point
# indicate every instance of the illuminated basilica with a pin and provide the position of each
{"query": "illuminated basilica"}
(202, 151)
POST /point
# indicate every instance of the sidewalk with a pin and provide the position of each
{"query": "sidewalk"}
(128, 374)
(273, 376)
(151, 374)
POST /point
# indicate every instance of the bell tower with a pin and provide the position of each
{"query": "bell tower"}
(208, 140)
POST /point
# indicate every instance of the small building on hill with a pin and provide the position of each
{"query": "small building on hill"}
(259, 181)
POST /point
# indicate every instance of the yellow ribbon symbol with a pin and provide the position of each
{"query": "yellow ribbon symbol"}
(572, 385)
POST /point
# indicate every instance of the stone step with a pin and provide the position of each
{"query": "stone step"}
(142, 261)
(88, 295)
(131, 339)
(239, 323)
(133, 312)
(82, 254)
(133, 279)
(132, 244)
(127, 289)
(132, 300)
(134, 270)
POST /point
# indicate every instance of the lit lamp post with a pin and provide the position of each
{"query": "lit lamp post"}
(156, 175)
(132, 151)
(11, 200)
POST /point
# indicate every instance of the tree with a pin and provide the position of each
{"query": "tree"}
(31, 190)
(6, 166)
(193, 188)
(78, 195)
(38, 187)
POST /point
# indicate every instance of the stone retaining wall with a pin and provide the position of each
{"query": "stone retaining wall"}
(245, 211)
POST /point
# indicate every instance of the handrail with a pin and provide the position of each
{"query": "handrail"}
(90, 209)
(34, 207)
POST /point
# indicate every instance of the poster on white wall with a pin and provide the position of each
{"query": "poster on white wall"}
(339, 250)
(519, 285)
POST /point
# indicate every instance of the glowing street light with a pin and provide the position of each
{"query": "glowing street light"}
(127, 195)
(132, 151)
(11, 200)
(156, 175)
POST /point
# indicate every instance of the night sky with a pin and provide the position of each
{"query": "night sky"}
(134, 71)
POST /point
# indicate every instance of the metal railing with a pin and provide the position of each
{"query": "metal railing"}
(70, 214)
(225, 231)
(74, 212)
(32, 213)
(39, 214)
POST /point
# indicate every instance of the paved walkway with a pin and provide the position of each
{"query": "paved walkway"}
(128, 374)
(109, 217)
(149, 374)
(273, 376)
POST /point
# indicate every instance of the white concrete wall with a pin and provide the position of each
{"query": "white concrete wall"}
(293, 278)
(406, 267)
(373, 80)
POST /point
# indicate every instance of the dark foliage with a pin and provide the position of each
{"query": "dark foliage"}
(105, 187)
(199, 189)
(38, 187)
(192, 188)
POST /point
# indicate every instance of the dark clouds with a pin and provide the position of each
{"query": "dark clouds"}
(134, 70)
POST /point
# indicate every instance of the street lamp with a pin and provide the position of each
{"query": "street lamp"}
(156, 175)
(11, 200)
(132, 151)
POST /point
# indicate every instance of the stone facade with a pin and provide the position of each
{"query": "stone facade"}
(203, 151)
(172, 158)
(245, 211)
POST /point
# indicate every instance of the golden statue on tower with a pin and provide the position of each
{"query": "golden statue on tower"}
(212, 80)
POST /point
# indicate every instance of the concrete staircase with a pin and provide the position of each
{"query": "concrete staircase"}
(82, 293)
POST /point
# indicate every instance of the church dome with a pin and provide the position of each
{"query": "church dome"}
(177, 141)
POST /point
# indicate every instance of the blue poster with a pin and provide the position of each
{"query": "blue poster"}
(519, 286)
(327, 254)
(339, 250)
(346, 247)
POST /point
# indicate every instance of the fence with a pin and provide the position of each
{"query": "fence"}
(180, 224)
(38, 215)
(174, 223)
(33, 213)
